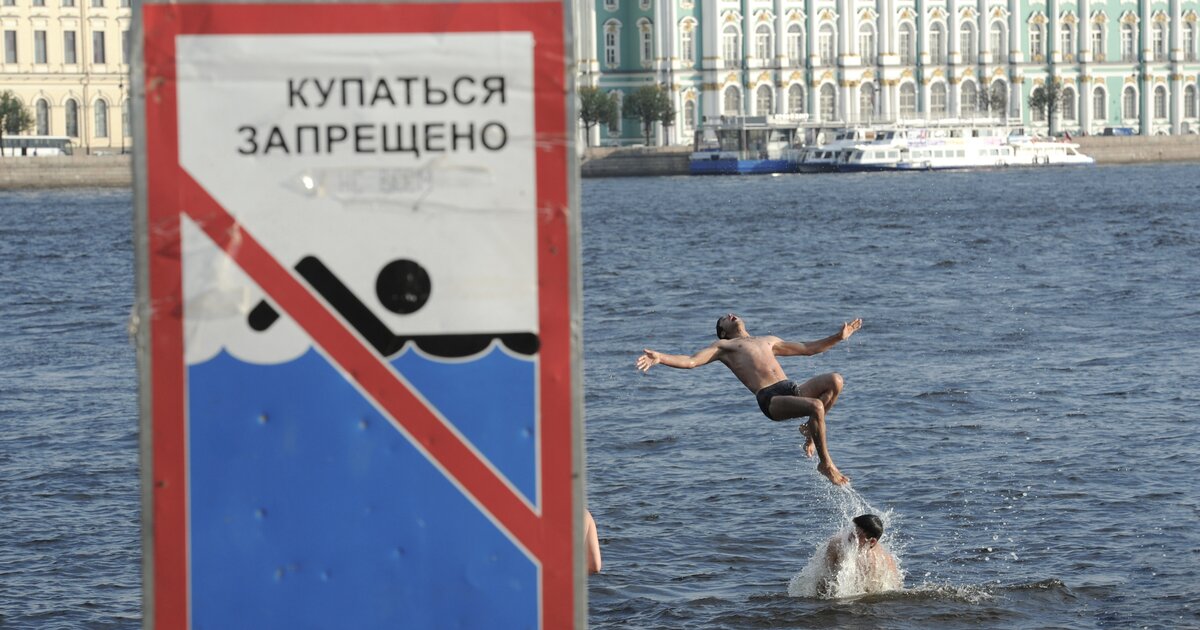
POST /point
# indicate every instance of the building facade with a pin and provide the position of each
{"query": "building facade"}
(1117, 63)
(68, 62)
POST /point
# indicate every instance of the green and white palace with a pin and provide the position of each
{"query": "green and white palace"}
(1118, 63)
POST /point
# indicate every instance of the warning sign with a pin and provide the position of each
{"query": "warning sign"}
(357, 291)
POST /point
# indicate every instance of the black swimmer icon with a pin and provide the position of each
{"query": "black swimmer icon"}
(403, 287)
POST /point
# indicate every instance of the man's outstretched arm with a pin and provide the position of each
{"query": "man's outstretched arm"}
(798, 348)
(650, 358)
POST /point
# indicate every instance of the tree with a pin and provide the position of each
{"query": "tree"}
(668, 116)
(994, 100)
(1048, 99)
(14, 117)
(649, 104)
(596, 107)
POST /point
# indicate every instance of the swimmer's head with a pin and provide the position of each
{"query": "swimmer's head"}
(729, 326)
(869, 527)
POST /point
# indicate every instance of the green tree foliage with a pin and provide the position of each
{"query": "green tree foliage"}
(1047, 99)
(994, 100)
(14, 117)
(596, 107)
(650, 104)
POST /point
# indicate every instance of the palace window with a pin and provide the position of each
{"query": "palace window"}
(1068, 104)
(968, 101)
(966, 43)
(1189, 101)
(762, 100)
(1160, 41)
(998, 42)
(1160, 102)
(866, 43)
(1128, 43)
(732, 43)
(907, 41)
(828, 102)
(795, 44)
(1035, 41)
(796, 99)
(1129, 104)
(72, 115)
(42, 114)
(998, 99)
(908, 101)
(1037, 114)
(687, 45)
(39, 47)
(646, 39)
(937, 44)
(825, 44)
(937, 100)
(1097, 42)
(611, 5)
(612, 44)
(1066, 39)
(69, 48)
(866, 101)
(98, 47)
(689, 114)
(10, 47)
(763, 46)
(1099, 104)
(100, 112)
(732, 101)
(1189, 41)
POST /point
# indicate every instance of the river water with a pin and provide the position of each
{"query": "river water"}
(1020, 404)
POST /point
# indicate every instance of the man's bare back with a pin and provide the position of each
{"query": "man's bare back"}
(753, 360)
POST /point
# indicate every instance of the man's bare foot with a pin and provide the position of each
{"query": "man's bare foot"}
(810, 449)
(833, 474)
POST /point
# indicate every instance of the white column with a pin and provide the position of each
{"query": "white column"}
(1015, 47)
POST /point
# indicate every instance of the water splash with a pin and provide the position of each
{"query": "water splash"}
(862, 570)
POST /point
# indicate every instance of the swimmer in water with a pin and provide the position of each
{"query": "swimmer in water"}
(752, 360)
(874, 567)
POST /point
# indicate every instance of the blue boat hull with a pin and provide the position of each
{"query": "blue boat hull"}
(741, 167)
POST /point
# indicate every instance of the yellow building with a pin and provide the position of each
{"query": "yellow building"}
(68, 62)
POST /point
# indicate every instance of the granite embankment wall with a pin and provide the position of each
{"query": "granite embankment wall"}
(78, 171)
(115, 170)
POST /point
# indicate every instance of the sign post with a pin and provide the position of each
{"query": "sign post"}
(359, 316)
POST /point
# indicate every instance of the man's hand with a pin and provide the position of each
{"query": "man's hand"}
(648, 358)
(850, 328)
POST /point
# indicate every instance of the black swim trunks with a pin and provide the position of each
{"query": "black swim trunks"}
(782, 388)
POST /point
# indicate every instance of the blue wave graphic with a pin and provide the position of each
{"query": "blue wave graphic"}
(302, 509)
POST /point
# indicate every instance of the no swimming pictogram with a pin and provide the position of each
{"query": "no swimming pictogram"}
(357, 274)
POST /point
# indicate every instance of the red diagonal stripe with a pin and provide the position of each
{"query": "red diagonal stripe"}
(364, 367)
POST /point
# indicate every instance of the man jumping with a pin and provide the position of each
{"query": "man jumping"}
(752, 360)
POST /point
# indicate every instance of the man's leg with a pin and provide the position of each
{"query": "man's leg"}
(786, 407)
(824, 388)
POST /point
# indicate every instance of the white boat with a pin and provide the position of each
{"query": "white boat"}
(822, 155)
(1045, 152)
(943, 149)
